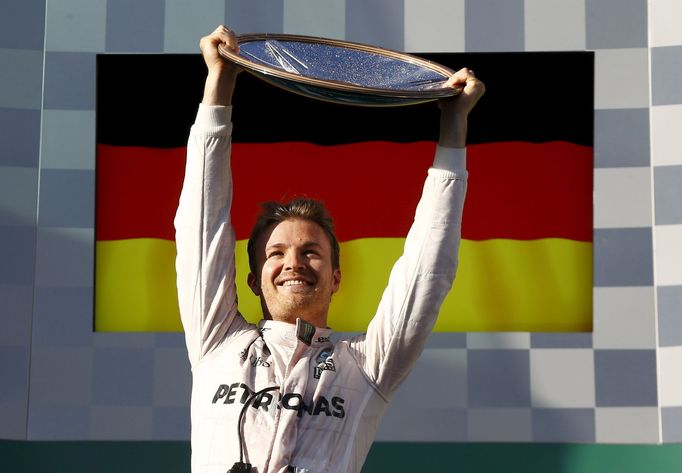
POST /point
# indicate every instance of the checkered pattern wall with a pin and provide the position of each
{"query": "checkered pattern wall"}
(621, 383)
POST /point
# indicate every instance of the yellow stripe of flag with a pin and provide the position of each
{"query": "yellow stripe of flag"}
(502, 285)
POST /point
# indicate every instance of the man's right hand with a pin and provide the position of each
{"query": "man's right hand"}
(222, 74)
(455, 110)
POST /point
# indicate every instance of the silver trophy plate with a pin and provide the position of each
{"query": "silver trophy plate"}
(341, 71)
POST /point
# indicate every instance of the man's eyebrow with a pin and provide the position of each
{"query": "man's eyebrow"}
(306, 244)
(274, 246)
(312, 243)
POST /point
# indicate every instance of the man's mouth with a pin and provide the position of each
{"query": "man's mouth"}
(295, 282)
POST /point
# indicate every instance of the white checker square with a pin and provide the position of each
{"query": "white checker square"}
(622, 197)
(68, 139)
(76, 26)
(324, 18)
(627, 425)
(668, 255)
(621, 78)
(624, 318)
(555, 25)
(665, 17)
(500, 425)
(562, 378)
(670, 380)
(186, 22)
(666, 139)
(434, 25)
(498, 340)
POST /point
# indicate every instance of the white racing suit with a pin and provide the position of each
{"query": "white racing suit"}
(329, 397)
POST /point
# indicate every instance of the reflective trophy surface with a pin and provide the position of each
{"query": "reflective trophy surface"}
(341, 71)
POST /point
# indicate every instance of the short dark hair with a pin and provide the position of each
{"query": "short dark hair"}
(299, 208)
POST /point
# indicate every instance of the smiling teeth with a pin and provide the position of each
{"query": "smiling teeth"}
(294, 283)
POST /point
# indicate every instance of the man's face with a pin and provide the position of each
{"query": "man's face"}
(296, 277)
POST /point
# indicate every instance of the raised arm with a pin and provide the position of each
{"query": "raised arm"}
(204, 237)
(423, 275)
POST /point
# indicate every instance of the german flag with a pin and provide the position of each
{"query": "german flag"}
(526, 254)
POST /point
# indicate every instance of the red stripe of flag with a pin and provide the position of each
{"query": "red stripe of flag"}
(137, 191)
(516, 190)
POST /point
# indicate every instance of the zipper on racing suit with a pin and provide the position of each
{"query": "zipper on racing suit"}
(304, 335)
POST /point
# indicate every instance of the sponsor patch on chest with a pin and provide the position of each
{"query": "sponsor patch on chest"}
(325, 365)
(241, 393)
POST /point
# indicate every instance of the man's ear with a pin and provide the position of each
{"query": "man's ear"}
(252, 281)
(336, 280)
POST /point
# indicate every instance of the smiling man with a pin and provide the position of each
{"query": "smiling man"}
(280, 396)
(294, 261)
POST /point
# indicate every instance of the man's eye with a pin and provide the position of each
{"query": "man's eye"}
(274, 254)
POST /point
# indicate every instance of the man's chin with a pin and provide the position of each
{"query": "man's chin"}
(292, 308)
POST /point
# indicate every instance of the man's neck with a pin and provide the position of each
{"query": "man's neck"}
(319, 321)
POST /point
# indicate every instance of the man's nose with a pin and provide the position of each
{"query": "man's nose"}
(294, 261)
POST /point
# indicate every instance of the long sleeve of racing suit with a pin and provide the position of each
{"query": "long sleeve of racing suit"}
(420, 280)
(204, 236)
